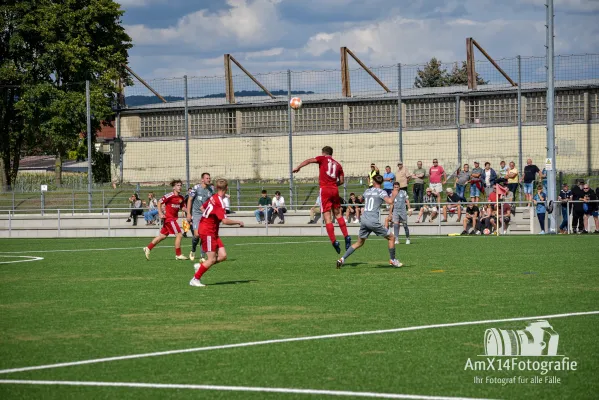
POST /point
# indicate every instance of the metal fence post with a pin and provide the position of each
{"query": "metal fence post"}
(109, 222)
(13, 200)
(289, 122)
(103, 202)
(238, 196)
(550, 118)
(43, 202)
(89, 148)
(399, 112)
(520, 114)
(10, 224)
(186, 131)
(459, 128)
(73, 212)
(58, 223)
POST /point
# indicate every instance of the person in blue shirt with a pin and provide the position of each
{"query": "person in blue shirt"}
(388, 179)
(539, 200)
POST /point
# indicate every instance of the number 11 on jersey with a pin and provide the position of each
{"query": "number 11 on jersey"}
(332, 168)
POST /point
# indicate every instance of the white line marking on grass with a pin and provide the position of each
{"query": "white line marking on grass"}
(29, 258)
(235, 389)
(275, 243)
(72, 250)
(296, 339)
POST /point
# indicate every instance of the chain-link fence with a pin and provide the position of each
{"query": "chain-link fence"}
(191, 126)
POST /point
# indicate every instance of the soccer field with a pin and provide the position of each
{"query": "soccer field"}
(271, 322)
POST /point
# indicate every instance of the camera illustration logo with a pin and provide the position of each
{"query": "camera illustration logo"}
(537, 339)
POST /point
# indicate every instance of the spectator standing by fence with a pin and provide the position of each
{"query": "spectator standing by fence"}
(462, 178)
(539, 201)
(418, 187)
(590, 208)
(502, 170)
(577, 208)
(565, 196)
(388, 180)
(489, 177)
(476, 182)
(437, 177)
(512, 178)
(529, 178)
(374, 170)
(403, 176)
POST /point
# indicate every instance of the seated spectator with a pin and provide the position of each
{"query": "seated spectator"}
(590, 208)
(429, 207)
(486, 220)
(470, 218)
(539, 200)
(264, 202)
(454, 207)
(150, 215)
(505, 215)
(278, 208)
(315, 211)
(136, 208)
(353, 210)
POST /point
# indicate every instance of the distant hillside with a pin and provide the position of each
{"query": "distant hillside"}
(133, 101)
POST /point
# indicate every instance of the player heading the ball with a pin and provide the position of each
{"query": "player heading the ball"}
(330, 176)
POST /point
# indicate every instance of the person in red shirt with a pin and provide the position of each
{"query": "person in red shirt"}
(330, 176)
(437, 177)
(214, 214)
(173, 202)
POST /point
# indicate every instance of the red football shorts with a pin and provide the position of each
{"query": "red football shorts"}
(329, 198)
(210, 243)
(170, 228)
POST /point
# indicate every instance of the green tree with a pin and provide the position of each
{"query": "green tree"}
(432, 75)
(72, 41)
(459, 75)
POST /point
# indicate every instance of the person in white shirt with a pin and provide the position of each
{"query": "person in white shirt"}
(315, 211)
(278, 207)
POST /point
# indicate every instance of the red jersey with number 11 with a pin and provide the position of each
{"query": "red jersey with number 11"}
(173, 202)
(330, 171)
(214, 212)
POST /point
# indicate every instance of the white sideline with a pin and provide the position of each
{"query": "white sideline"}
(296, 339)
(235, 389)
(184, 246)
(29, 258)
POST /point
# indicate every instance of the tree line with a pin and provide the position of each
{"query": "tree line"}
(48, 49)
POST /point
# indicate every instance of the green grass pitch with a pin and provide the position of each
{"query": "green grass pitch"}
(88, 304)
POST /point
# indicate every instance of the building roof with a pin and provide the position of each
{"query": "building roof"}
(370, 95)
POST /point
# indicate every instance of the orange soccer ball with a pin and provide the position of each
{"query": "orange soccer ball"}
(295, 103)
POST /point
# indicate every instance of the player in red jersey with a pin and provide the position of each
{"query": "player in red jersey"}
(330, 176)
(214, 214)
(173, 202)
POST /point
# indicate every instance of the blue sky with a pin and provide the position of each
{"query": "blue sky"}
(176, 37)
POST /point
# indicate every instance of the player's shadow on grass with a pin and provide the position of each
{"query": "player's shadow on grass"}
(354, 264)
(233, 282)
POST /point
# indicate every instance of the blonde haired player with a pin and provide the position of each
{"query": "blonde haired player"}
(214, 214)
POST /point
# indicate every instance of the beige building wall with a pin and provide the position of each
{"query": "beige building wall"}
(267, 158)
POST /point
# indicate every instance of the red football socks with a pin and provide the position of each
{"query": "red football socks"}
(342, 226)
(151, 246)
(200, 271)
(331, 232)
(178, 251)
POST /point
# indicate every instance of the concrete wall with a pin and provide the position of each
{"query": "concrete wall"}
(245, 157)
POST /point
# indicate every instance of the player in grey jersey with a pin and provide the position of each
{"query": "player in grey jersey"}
(374, 197)
(399, 213)
(198, 196)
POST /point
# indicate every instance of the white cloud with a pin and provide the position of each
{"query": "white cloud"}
(245, 23)
(569, 5)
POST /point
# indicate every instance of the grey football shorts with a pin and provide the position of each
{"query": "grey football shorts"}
(367, 228)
